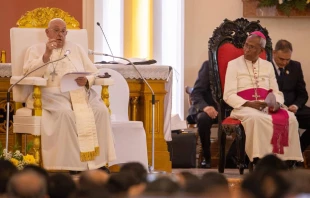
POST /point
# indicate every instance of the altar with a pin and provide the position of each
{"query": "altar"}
(140, 107)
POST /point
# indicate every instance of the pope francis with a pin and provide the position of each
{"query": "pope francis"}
(75, 130)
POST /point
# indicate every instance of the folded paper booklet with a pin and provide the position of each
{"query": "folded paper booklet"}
(271, 101)
(68, 83)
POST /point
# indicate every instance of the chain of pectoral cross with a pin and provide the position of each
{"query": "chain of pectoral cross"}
(54, 73)
(256, 75)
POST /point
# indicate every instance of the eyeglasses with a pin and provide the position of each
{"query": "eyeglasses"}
(57, 31)
(250, 47)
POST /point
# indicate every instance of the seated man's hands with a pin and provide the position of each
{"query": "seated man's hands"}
(275, 108)
(256, 105)
(81, 81)
(50, 45)
(293, 108)
(210, 111)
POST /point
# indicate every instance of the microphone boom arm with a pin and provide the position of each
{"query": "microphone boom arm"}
(151, 168)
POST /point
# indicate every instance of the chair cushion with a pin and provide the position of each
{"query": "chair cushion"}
(23, 112)
(226, 53)
(104, 81)
(27, 124)
(231, 121)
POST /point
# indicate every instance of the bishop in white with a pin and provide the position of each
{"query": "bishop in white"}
(248, 81)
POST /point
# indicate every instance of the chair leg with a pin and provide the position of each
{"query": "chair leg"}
(222, 143)
(241, 148)
(37, 150)
(251, 167)
(305, 160)
(18, 139)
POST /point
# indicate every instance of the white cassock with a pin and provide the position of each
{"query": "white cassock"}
(61, 140)
(259, 128)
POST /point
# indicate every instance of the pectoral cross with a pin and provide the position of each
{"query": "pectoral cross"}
(53, 74)
(255, 95)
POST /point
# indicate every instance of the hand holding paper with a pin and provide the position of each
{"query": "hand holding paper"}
(73, 81)
(81, 81)
(271, 101)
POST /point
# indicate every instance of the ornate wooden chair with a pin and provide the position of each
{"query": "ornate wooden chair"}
(226, 44)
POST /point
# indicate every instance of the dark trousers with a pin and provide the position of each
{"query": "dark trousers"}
(204, 124)
(303, 118)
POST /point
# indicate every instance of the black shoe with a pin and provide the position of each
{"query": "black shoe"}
(292, 164)
(205, 164)
(74, 172)
(105, 169)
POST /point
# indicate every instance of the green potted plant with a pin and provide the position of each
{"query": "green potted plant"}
(286, 6)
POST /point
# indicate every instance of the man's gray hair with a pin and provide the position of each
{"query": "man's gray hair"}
(262, 42)
(55, 19)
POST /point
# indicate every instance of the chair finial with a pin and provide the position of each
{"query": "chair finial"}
(40, 17)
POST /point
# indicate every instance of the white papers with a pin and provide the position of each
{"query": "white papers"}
(68, 82)
(271, 100)
(177, 123)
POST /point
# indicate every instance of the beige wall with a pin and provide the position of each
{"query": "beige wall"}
(203, 16)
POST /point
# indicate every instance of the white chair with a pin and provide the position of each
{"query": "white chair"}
(25, 120)
(129, 136)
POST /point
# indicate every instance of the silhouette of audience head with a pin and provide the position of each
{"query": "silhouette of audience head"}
(270, 163)
(27, 183)
(162, 186)
(190, 183)
(267, 179)
(93, 178)
(7, 169)
(60, 186)
(137, 169)
(215, 184)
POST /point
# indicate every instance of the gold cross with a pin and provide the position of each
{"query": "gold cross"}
(255, 95)
(53, 74)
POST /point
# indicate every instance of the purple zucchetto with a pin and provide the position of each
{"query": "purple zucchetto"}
(258, 33)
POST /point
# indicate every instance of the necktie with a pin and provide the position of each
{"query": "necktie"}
(280, 79)
(281, 72)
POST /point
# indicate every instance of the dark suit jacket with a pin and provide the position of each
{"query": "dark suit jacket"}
(293, 85)
(201, 95)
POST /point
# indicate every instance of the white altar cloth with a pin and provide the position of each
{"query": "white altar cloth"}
(134, 151)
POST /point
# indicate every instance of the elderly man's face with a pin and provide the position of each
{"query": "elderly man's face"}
(282, 58)
(58, 31)
(252, 48)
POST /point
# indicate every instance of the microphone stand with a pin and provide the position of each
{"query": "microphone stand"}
(151, 168)
(106, 40)
(8, 96)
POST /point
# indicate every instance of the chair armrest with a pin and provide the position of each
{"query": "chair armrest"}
(38, 81)
(104, 81)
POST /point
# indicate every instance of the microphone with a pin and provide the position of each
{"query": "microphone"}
(67, 53)
(91, 52)
(112, 62)
(13, 85)
(151, 168)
